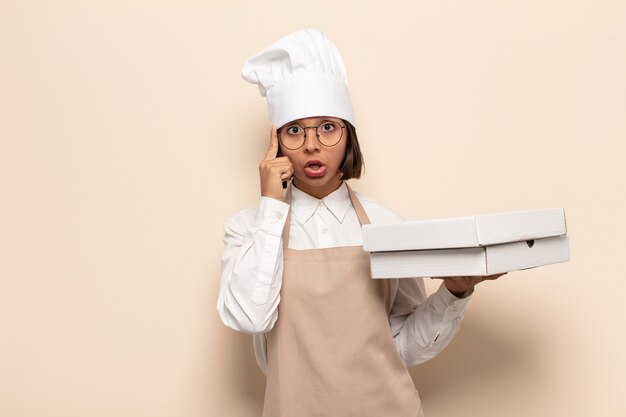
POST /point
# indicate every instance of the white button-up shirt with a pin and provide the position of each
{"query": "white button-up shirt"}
(252, 269)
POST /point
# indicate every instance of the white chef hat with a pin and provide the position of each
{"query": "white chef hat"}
(302, 75)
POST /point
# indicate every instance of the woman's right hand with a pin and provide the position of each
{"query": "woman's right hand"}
(273, 171)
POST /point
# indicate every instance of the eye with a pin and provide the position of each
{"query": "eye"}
(327, 127)
(294, 130)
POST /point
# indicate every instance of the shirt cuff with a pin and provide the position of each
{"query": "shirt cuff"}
(271, 215)
(448, 305)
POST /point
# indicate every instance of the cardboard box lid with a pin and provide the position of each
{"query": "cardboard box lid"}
(464, 232)
(486, 260)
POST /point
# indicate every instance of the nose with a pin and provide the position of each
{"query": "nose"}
(310, 140)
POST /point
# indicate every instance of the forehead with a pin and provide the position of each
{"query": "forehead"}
(307, 121)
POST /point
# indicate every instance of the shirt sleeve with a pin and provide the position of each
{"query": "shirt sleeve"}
(252, 267)
(423, 326)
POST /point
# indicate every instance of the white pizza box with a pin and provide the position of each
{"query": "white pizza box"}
(464, 232)
(484, 260)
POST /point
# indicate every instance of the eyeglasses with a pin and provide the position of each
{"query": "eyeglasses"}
(293, 136)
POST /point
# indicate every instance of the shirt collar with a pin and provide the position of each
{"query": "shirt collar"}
(303, 205)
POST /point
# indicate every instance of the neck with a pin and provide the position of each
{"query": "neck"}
(318, 192)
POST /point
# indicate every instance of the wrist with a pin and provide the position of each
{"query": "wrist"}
(275, 194)
(457, 292)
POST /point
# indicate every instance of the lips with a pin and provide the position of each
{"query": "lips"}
(314, 168)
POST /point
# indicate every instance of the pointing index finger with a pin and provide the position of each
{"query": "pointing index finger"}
(273, 149)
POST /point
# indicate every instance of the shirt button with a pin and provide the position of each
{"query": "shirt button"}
(324, 230)
(279, 216)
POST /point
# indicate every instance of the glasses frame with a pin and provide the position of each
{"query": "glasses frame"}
(304, 128)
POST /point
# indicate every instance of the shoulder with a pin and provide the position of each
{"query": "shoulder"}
(377, 212)
(242, 220)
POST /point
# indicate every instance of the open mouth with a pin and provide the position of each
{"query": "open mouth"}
(315, 168)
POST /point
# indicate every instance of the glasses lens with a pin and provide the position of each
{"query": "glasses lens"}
(329, 133)
(291, 136)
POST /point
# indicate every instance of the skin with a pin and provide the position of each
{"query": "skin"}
(273, 170)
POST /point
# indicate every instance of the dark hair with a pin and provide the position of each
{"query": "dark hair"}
(352, 165)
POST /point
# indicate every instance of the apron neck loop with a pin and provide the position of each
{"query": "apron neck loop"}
(360, 212)
(363, 219)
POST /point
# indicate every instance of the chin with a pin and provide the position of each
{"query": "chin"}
(317, 184)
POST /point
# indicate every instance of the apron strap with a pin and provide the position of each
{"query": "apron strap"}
(360, 212)
(287, 227)
(363, 219)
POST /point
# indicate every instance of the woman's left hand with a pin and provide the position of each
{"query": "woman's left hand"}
(459, 285)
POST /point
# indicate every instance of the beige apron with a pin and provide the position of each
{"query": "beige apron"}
(331, 352)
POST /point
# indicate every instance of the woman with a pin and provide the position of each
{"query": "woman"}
(331, 340)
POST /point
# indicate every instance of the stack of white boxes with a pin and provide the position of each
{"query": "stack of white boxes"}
(466, 246)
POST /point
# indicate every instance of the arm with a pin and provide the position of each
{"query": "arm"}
(252, 263)
(252, 268)
(423, 326)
